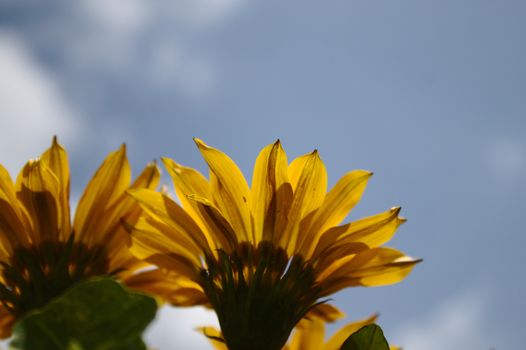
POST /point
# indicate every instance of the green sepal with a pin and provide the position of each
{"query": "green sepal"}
(369, 337)
(99, 314)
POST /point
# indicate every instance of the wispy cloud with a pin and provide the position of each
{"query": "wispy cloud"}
(32, 109)
(174, 328)
(457, 323)
(96, 39)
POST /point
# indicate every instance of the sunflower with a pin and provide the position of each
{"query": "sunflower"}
(42, 252)
(263, 257)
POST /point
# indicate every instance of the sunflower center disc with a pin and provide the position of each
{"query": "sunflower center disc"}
(34, 276)
(259, 294)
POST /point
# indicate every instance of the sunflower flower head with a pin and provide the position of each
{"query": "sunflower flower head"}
(264, 256)
(42, 251)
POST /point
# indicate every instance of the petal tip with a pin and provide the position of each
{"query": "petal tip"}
(418, 261)
(396, 209)
(55, 145)
(409, 260)
(167, 162)
(153, 165)
(200, 143)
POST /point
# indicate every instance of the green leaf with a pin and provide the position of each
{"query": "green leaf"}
(369, 337)
(99, 314)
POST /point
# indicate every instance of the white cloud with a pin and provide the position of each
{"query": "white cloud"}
(32, 108)
(174, 328)
(101, 34)
(120, 36)
(457, 323)
(124, 16)
(169, 63)
(202, 13)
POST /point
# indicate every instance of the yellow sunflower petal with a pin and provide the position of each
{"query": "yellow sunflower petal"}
(127, 209)
(309, 192)
(229, 190)
(308, 335)
(270, 186)
(13, 228)
(152, 241)
(187, 297)
(188, 181)
(372, 267)
(326, 312)
(373, 231)
(150, 237)
(122, 263)
(107, 185)
(163, 209)
(8, 231)
(153, 282)
(296, 169)
(56, 159)
(342, 334)
(308, 178)
(214, 337)
(7, 187)
(216, 223)
(38, 190)
(174, 262)
(382, 266)
(149, 177)
(337, 204)
(172, 287)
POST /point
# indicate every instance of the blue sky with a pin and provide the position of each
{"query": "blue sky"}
(427, 94)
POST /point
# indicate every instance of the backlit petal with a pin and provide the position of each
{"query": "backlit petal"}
(165, 210)
(337, 204)
(269, 187)
(309, 192)
(229, 190)
(56, 159)
(326, 312)
(15, 228)
(188, 181)
(38, 189)
(214, 337)
(107, 185)
(217, 224)
(308, 335)
(151, 238)
(373, 231)
(372, 267)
